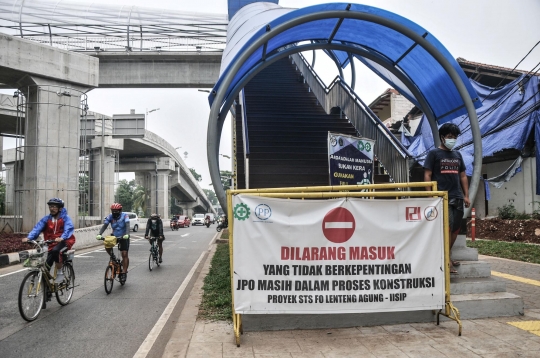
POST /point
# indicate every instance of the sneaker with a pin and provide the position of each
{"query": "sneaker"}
(160, 260)
(59, 277)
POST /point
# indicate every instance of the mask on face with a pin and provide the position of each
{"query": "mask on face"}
(450, 143)
(115, 215)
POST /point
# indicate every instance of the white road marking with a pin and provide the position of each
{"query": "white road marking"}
(338, 225)
(85, 256)
(11, 273)
(145, 347)
(185, 235)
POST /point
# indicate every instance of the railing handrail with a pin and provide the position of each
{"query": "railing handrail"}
(339, 81)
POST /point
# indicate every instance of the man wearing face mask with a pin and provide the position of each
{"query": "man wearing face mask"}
(154, 226)
(446, 167)
(120, 225)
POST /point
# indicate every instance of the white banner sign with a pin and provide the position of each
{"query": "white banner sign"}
(337, 256)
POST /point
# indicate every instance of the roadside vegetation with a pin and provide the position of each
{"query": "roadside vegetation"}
(509, 250)
(216, 301)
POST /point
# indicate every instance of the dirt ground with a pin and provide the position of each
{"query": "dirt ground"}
(12, 243)
(527, 231)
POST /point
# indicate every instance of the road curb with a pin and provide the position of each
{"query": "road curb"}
(12, 258)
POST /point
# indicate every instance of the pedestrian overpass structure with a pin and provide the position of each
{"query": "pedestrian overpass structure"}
(156, 164)
(55, 52)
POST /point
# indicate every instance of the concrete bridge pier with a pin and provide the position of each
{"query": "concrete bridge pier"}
(188, 207)
(156, 182)
(100, 203)
(51, 148)
(10, 180)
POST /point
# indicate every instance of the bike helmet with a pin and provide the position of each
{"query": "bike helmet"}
(116, 209)
(56, 201)
(116, 206)
(154, 216)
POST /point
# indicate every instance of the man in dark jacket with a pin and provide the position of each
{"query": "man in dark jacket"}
(154, 226)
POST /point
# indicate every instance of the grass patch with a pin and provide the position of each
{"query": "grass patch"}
(216, 301)
(225, 234)
(509, 250)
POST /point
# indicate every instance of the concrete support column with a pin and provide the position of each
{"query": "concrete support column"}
(159, 193)
(51, 148)
(188, 207)
(11, 175)
(97, 207)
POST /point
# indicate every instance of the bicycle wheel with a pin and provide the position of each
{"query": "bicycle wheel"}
(156, 256)
(31, 296)
(151, 261)
(109, 279)
(65, 293)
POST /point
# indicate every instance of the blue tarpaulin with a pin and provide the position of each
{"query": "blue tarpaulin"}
(413, 61)
(506, 120)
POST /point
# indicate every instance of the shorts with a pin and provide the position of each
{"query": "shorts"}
(123, 244)
(455, 214)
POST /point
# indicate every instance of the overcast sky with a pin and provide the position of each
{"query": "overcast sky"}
(497, 32)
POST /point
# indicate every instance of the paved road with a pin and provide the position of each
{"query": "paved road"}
(95, 324)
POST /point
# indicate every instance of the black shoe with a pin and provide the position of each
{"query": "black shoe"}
(160, 260)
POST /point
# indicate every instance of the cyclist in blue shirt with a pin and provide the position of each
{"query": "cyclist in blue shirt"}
(120, 226)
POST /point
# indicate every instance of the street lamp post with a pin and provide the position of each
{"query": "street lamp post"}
(148, 112)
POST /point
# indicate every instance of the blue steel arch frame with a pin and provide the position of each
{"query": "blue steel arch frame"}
(217, 111)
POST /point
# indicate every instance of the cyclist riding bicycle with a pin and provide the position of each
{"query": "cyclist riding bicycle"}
(154, 226)
(120, 226)
(56, 226)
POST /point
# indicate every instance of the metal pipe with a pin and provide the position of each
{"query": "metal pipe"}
(214, 130)
(353, 71)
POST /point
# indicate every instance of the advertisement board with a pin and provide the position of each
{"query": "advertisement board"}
(350, 159)
(337, 256)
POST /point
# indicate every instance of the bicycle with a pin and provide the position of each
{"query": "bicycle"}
(39, 284)
(153, 259)
(114, 267)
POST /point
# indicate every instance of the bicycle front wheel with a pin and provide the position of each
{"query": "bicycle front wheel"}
(65, 292)
(109, 279)
(31, 296)
(151, 261)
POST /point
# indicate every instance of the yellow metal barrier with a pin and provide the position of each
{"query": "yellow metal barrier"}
(352, 191)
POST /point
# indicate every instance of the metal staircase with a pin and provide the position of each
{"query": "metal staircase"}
(282, 127)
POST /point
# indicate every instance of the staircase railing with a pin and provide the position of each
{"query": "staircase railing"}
(390, 153)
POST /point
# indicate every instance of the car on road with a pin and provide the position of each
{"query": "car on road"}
(183, 221)
(198, 219)
(133, 221)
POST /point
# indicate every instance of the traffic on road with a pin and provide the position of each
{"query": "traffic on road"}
(96, 323)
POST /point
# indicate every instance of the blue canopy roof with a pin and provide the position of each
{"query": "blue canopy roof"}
(413, 61)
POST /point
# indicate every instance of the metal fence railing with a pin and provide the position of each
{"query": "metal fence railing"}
(390, 153)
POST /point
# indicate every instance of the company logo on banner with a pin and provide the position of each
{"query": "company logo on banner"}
(350, 159)
(337, 256)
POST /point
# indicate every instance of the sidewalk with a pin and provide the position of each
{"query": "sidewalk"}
(481, 338)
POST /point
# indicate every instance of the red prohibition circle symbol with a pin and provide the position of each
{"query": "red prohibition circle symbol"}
(338, 225)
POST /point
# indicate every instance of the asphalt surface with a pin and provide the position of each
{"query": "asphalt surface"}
(95, 324)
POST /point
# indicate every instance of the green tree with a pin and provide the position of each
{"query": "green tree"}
(140, 199)
(225, 179)
(196, 175)
(124, 194)
(211, 196)
(84, 192)
(174, 208)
